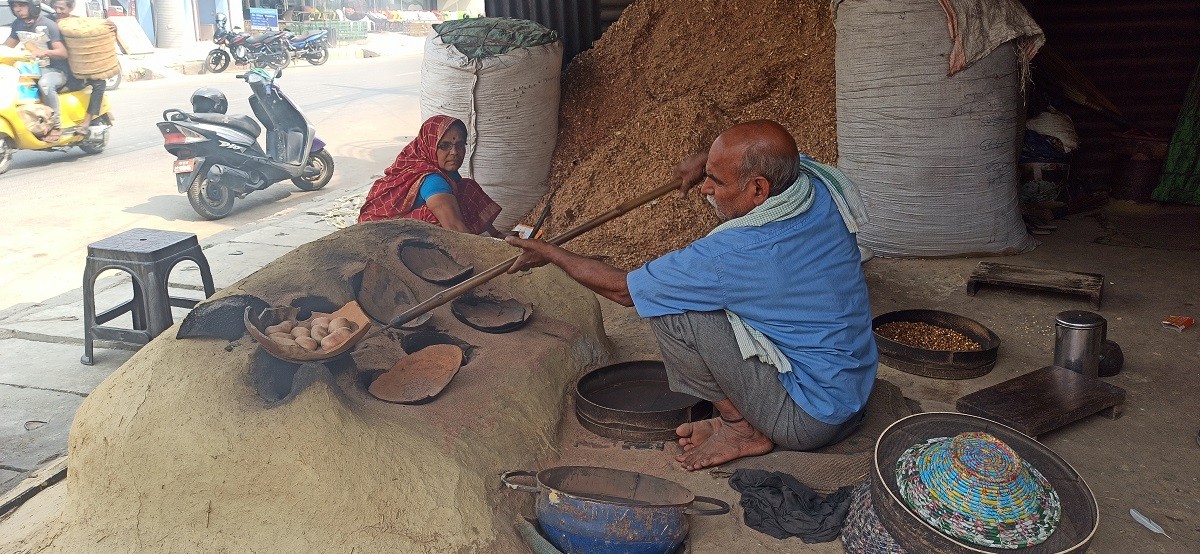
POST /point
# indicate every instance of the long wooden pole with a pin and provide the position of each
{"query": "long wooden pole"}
(481, 278)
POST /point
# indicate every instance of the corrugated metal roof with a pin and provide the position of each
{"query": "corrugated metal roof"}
(577, 22)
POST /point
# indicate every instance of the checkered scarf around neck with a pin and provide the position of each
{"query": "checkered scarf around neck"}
(790, 203)
(393, 195)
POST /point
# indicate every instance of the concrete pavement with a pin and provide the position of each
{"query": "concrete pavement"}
(42, 382)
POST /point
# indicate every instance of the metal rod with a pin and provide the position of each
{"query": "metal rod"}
(481, 278)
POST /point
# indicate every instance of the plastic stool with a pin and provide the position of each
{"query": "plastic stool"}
(148, 255)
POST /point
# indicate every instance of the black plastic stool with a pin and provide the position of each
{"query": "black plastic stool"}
(148, 255)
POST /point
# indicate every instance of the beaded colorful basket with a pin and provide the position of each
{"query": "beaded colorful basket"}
(862, 532)
(974, 487)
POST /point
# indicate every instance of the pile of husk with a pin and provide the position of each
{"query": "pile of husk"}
(661, 84)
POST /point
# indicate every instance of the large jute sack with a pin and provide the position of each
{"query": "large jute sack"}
(91, 47)
(501, 77)
(934, 156)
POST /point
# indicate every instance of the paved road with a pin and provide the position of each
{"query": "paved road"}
(54, 203)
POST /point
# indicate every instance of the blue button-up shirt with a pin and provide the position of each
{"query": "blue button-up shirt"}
(798, 281)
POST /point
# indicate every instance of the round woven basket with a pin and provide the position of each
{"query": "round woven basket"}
(91, 48)
(972, 486)
(1079, 512)
(862, 533)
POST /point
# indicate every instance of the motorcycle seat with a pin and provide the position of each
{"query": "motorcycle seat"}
(261, 38)
(307, 35)
(243, 123)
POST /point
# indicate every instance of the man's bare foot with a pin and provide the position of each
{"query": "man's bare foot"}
(694, 433)
(727, 442)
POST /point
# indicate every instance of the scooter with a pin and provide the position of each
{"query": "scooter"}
(266, 50)
(310, 46)
(21, 109)
(218, 158)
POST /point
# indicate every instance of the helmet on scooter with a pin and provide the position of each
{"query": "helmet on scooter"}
(209, 100)
(35, 7)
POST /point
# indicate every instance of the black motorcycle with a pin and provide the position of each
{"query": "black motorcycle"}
(311, 46)
(265, 50)
(218, 158)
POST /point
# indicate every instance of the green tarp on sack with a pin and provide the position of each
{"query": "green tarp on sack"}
(1180, 180)
(486, 37)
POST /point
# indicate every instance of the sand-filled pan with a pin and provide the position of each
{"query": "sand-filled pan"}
(432, 263)
(954, 363)
(342, 330)
(633, 401)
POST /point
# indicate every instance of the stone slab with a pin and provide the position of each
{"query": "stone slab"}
(62, 318)
(313, 220)
(231, 262)
(10, 479)
(55, 366)
(34, 425)
(279, 235)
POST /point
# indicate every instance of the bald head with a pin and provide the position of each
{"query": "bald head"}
(766, 149)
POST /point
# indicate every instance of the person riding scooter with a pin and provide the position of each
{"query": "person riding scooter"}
(62, 10)
(26, 122)
(29, 19)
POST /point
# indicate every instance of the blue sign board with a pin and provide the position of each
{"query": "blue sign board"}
(264, 18)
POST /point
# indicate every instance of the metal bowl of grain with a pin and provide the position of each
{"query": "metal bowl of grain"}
(935, 344)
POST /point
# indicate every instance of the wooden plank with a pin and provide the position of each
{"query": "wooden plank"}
(130, 36)
(1035, 278)
(49, 474)
(1044, 400)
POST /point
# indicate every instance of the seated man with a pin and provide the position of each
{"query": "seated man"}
(767, 317)
(29, 19)
(62, 10)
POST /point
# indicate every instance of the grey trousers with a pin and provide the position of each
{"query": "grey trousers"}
(48, 84)
(703, 360)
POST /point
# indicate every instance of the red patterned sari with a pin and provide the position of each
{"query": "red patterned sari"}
(394, 194)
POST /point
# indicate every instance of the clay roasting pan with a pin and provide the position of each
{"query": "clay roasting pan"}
(431, 263)
(491, 312)
(419, 377)
(256, 324)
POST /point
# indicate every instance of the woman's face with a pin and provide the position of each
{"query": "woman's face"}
(452, 149)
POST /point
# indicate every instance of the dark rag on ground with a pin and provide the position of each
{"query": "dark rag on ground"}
(779, 505)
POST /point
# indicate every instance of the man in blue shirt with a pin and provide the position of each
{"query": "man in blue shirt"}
(767, 316)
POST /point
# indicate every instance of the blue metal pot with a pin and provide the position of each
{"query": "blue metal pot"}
(598, 510)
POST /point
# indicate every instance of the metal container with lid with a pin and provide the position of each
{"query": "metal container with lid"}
(1078, 341)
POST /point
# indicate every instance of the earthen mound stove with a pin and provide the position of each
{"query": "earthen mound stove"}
(207, 445)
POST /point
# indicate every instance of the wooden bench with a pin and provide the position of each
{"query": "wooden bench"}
(1041, 401)
(1051, 280)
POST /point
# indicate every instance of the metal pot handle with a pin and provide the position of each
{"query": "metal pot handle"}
(722, 507)
(508, 475)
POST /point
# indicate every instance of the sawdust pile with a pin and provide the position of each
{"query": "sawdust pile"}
(660, 84)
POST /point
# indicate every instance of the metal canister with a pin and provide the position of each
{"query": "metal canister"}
(1078, 341)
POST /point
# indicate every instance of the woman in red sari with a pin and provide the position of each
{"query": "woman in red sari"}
(423, 183)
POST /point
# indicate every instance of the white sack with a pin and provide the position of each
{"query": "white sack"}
(510, 105)
(934, 156)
